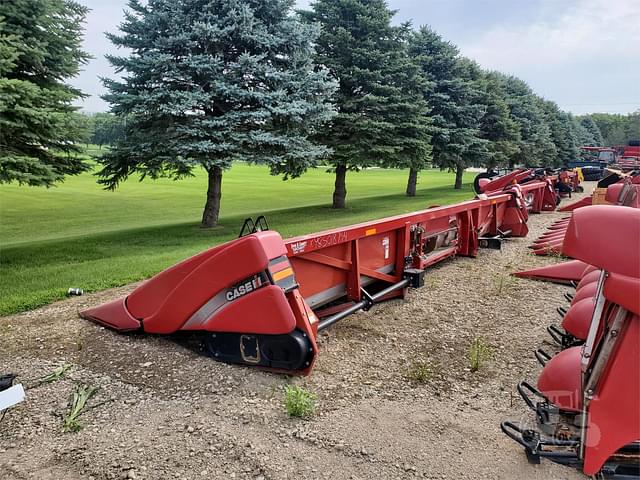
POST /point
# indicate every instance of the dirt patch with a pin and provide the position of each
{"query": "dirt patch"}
(166, 411)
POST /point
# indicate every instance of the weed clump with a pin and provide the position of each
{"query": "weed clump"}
(299, 403)
(421, 371)
(479, 353)
(71, 422)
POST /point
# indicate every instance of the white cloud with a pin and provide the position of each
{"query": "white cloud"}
(584, 31)
(584, 54)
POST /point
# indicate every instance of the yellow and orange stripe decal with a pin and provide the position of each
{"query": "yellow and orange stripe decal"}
(287, 272)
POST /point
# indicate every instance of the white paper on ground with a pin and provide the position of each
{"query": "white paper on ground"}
(11, 396)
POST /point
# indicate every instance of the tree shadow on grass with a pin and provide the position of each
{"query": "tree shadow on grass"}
(186, 236)
(37, 273)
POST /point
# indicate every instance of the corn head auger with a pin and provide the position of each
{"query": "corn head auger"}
(260, 300)
(587, 400)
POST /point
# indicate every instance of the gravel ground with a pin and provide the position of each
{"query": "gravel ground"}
(163, 410)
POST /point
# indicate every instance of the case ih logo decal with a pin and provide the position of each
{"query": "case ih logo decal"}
(247, 286)
(298, 247)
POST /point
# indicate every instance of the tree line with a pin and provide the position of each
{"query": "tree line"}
(615, 129)
(209, 82)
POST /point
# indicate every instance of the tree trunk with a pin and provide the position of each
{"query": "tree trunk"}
(413, 182)
(214, 192)
(459, 172)
(340, 189)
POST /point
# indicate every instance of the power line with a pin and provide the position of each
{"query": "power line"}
(603, 104)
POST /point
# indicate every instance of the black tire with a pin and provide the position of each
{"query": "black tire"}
(476, 181)
(609, 180)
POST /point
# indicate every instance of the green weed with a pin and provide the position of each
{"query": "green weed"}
(56, 375)
(479, 353)
(82, 394)
(299, 402)
(421, 371)
(503, 284)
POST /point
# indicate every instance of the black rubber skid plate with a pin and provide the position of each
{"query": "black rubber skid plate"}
(290, 352)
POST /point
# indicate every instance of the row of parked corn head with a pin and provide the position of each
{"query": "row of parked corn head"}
(586, 403)
(261, 301)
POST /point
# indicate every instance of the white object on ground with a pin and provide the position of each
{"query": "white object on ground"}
(11, 396)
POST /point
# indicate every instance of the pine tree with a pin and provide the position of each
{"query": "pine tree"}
(582, 135)
(39, 51)
(209, 82)
(381, 120)
(496, 124)
(454, 103)
(568, 151)
(561, 132)
(591, 127)
(535, 147)
(409, 113)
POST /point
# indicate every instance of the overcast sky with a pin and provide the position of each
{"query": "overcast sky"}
(582, 54)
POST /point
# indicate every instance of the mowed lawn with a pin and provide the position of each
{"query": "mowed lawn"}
(78, 235)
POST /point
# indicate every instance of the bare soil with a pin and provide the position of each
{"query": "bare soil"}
(164, 410)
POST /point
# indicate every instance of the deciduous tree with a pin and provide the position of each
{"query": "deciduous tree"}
(107, 128)
(617, 129)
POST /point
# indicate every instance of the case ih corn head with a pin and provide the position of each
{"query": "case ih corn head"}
(616, 189)
(260, 300)
(587, 400)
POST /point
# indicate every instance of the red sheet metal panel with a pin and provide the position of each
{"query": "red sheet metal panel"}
(336, 263)
(614, 411)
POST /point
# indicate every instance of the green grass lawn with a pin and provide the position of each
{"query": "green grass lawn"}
(78, 235)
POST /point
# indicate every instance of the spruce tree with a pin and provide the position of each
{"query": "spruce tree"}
(454, 102)
(40, 50)
(496, 124)
(582, 135)
(535, 147)
(209, 82)
(381, 116)
(591, 126)
(409, 113)
(561, 132)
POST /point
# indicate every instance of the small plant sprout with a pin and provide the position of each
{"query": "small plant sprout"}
(504, 283)
(58, 373)
(421, 371)
(299, 402)
(479, 353)
(79, 401)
